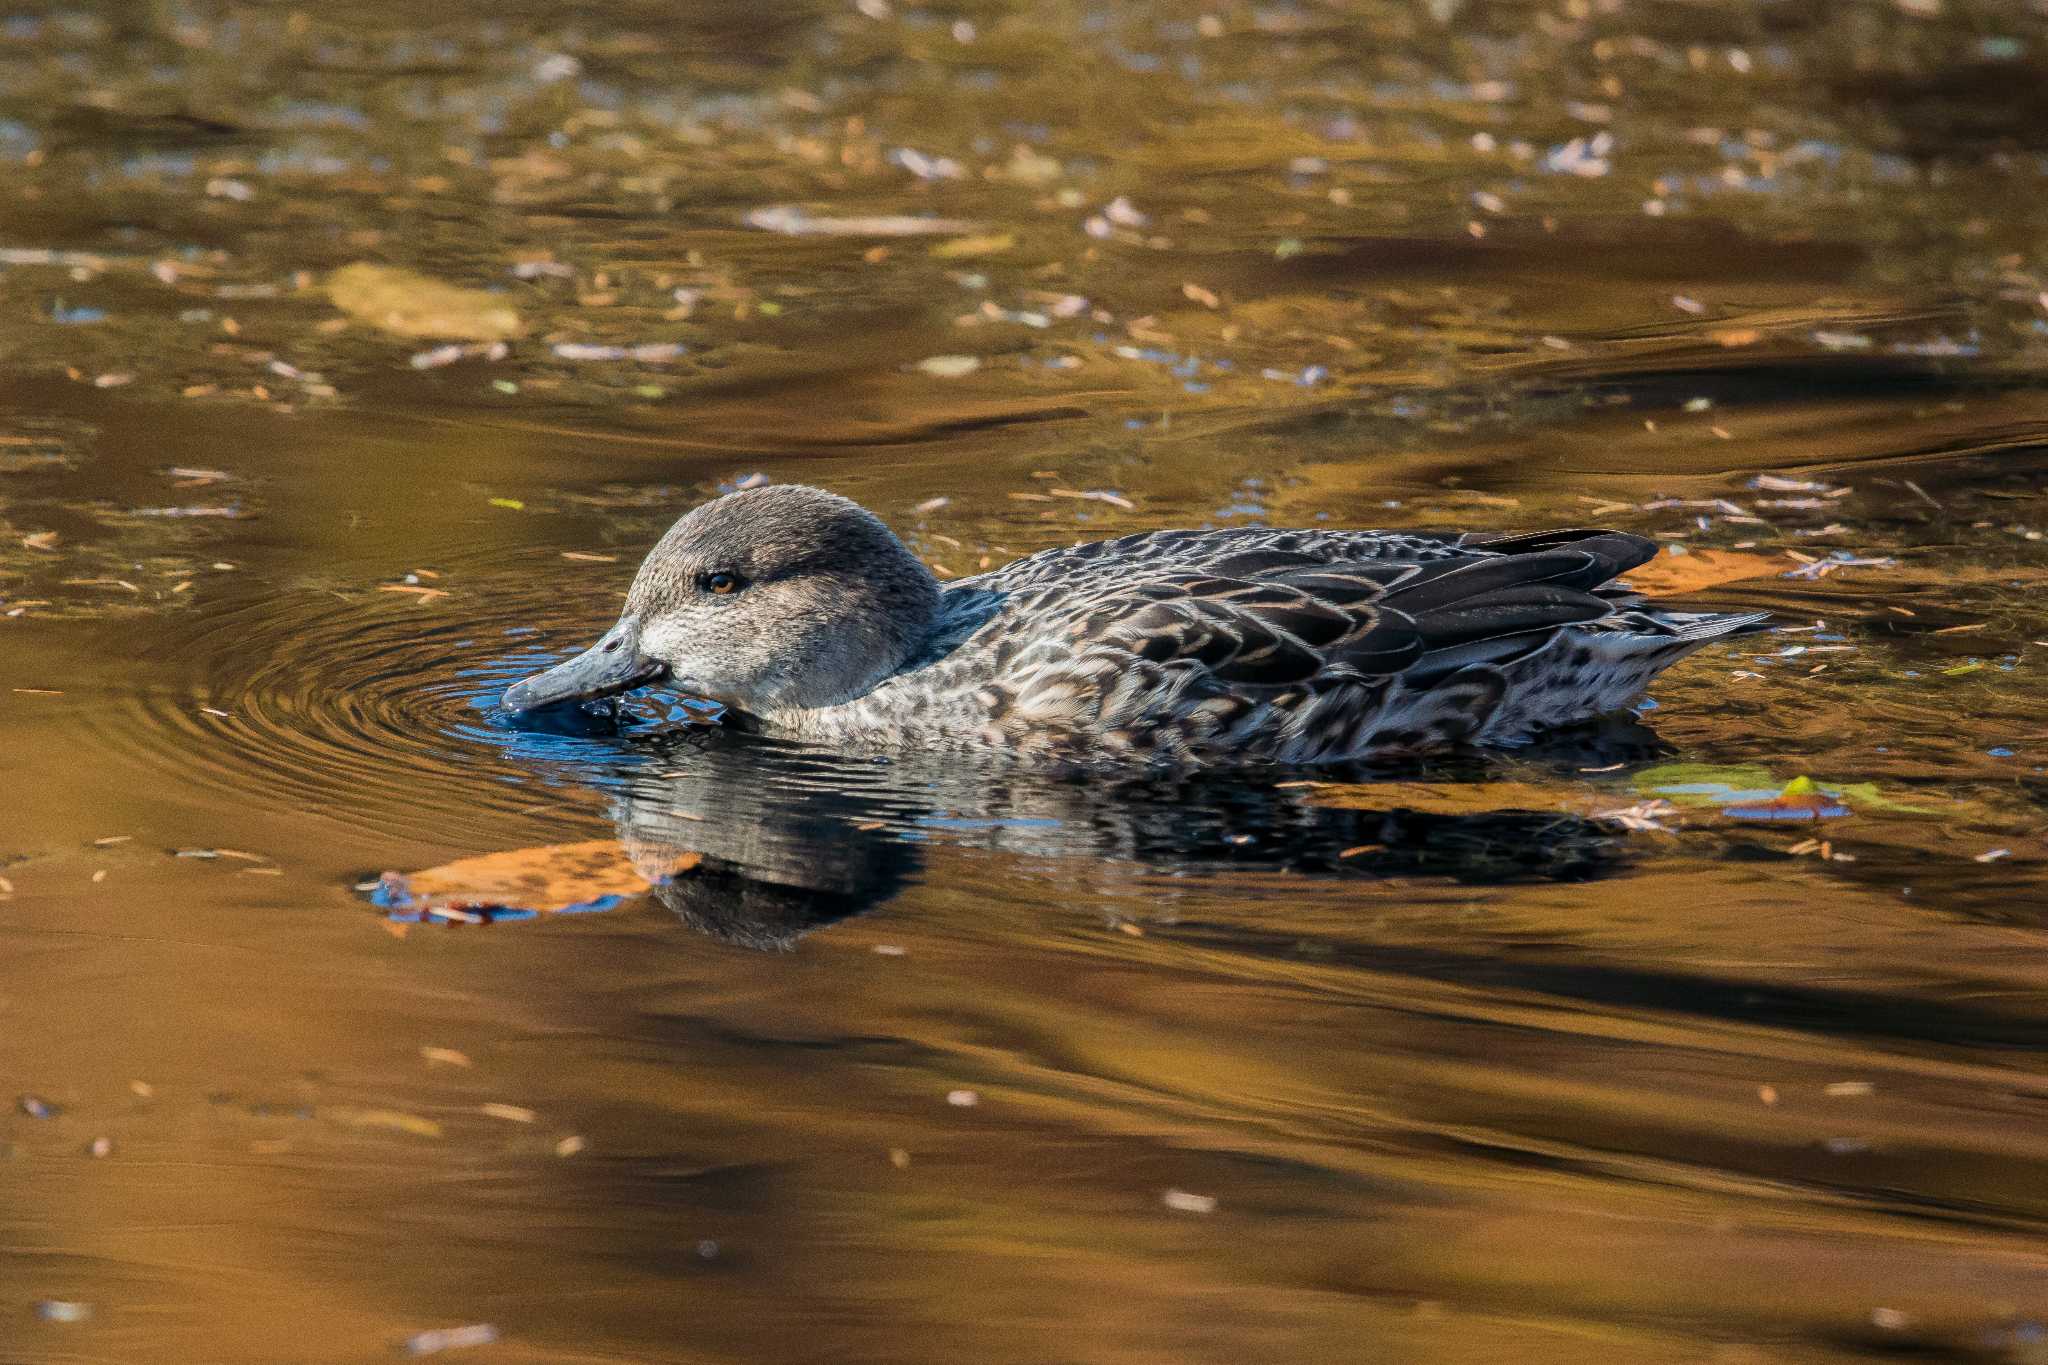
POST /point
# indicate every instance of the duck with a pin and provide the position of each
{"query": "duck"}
(804, 617)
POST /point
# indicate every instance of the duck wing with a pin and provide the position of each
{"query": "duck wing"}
(1267, 617)
(1304, 647)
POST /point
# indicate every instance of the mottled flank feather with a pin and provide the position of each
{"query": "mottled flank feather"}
(1277, 646)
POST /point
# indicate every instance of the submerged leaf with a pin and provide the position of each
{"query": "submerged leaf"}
(409, 304)
(1752, 793)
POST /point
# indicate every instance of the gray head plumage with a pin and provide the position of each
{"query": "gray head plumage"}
(769, 600)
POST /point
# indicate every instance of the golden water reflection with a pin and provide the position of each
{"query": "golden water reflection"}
(973, 1063)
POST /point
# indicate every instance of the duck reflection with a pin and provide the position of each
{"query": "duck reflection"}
(757, 842)
(773, 842)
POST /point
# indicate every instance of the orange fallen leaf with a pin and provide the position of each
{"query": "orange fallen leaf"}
(1736, 336)
(1442, 798)
(550, 878)
(424, 594)
(1697, 569)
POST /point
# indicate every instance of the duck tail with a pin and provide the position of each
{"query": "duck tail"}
(1702, 626)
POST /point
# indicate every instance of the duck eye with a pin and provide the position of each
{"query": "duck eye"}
(721, 582)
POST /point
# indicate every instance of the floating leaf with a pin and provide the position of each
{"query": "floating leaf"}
(1694, 570)
(409, 304)
(1802, 799)
(1865, 796)
(1749, 791)
(1706, 784)
(1442, 798)
(595, 875)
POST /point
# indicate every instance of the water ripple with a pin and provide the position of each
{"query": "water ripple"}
(368, 708)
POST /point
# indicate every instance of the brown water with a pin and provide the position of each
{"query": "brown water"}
(1468, 1068)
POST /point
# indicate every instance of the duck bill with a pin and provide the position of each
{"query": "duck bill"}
(609, 667)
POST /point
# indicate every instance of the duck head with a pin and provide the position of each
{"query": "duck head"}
(771, 599)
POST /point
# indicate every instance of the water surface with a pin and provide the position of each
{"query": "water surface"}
(1552, 1056)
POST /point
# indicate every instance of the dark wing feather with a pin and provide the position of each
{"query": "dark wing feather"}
(1507, 611)
(1618, 551)
(1476, 578)
(1277, 618)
